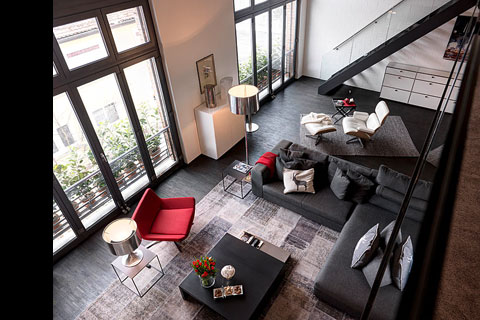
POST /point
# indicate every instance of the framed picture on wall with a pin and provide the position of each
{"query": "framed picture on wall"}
(206, 72)
(459, 34)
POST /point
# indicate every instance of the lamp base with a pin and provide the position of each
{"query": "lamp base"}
(251, 127)
(132, 259)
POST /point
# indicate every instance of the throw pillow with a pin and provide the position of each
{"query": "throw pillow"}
(298, 180)
(361, 188)
(300, 164)
(387, 232)
(402, 263)
(371, 269)
(339, 184)
(288, 155)
(366, 247)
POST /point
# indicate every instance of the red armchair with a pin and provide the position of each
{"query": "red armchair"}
(167, 219)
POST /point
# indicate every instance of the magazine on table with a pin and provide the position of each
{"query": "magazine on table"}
(242, 167)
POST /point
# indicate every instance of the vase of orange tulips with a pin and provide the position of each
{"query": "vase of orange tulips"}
(205, 268)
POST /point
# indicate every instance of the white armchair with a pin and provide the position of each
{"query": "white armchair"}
(362, 126)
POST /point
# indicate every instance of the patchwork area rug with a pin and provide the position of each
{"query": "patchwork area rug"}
(216, 214)
(391, 140)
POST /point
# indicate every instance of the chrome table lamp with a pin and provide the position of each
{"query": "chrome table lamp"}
(123, 240)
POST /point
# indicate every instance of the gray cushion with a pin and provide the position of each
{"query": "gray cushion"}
(397, 197)
(402, 263)
(399, 182)
(299, 164)
(288, 155)
(345, 288)
(371, 269)
(310, 154)
(339, 184)
(325, 203)
(387, 232)
(320, 167)
(344, 165)
(360, 188)
(366, 247)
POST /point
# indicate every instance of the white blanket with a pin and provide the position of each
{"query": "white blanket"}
(320, 118)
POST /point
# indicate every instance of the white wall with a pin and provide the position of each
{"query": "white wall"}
(329, 22)
(190, 30)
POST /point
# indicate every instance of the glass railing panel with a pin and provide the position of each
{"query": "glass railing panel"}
(372, 36)
(335, 60)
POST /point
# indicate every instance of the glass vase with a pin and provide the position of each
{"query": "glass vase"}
(207, 281)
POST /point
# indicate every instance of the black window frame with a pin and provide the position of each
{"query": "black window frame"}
(67, 81)
(250, 13)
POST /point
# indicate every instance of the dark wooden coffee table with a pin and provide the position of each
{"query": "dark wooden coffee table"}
(256, 270)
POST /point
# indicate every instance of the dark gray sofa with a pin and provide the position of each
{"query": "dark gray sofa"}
(337, 283)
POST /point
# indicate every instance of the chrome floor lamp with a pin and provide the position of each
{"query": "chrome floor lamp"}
(243, 99)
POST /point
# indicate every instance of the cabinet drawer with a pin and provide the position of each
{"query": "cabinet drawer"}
(428, 88)
(395, 94)
(400, 72)
(454, 94)
(398, 82)
(431, 78)
(424, 100)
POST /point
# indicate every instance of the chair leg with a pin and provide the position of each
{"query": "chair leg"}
(317, 137)
(178, 246)
(355, 139)
(148, 246)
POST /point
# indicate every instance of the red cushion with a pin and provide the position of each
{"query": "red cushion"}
(173, 221)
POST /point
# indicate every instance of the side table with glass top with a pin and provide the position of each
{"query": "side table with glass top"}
(141, 270)
(241, 179)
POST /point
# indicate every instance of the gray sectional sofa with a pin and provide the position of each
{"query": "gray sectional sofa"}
(337, 283)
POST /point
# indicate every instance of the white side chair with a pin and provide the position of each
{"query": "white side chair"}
(362, 126)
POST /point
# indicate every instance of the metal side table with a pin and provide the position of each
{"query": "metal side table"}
(243, 179)
(132, 272)
(344, 111)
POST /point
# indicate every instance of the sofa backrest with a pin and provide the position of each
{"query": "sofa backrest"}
(391, 189)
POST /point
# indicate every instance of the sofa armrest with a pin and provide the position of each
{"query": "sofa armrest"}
(283, 144)
(260, 175)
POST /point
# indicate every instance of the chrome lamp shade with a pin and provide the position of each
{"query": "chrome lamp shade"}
(122, 238)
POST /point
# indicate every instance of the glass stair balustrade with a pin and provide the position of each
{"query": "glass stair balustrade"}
(391, 23)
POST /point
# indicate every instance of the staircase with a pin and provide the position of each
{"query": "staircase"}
(386, 34)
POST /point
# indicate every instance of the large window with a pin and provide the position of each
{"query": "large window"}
(266, 34)
(112, 125)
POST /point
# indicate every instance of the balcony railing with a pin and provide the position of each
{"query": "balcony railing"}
(276, 73)
(86, 196)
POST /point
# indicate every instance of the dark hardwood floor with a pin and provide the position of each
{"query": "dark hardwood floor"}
(84, 273)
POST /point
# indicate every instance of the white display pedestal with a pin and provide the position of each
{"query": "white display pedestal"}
(218, 129)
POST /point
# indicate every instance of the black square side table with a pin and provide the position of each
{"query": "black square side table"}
(344, 111)
(132, 272)
(243, 179)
